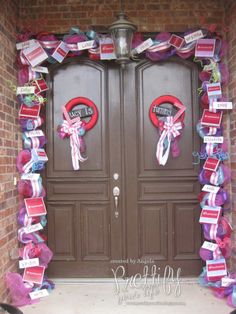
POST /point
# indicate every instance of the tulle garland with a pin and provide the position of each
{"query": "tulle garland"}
(213, 70)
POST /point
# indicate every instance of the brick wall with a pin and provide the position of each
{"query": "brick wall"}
(148, 15)
(231, 38)
(8, 141)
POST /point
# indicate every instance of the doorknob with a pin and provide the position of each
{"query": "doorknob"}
(116, 193)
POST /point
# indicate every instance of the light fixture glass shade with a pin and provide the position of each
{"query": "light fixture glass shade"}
(122, 33)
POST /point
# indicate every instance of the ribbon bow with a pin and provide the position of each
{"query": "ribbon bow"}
(72, 131)
(170, 129)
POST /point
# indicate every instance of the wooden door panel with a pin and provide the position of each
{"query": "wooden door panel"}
(159, 188)
(153, 231)
(95, 232)
(62, 232)
(70, 80)
(86, 191)
(154, 80)
(186, 231)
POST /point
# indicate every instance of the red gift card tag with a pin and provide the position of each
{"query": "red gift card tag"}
(176, 41)
(107, 49)
(210, 215)
(40, 86)
(34, 274)
(205, 48)
(35, 207)
(211, 164)
(216, 268)
(29, 112)
(211, 118)
(35, 54)
(39, 154)
(214, 89)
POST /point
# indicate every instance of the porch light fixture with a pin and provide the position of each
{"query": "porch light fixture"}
(122, 32)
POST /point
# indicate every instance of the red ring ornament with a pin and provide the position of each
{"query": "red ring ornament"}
(85, 101)
(166, 99)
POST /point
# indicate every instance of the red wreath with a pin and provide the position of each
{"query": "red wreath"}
(85, 101)
(166, 99)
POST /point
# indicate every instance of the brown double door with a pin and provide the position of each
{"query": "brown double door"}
(157, 207)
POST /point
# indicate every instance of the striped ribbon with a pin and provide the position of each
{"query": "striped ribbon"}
(210, 149)
(72, 131)
(170, 129)
(212, 199)
(213, 231)
(36, 187)
(214, 178)
(217, 254)
(49, 44)
(212, 130)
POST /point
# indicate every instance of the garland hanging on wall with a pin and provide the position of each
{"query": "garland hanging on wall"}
(35, 53)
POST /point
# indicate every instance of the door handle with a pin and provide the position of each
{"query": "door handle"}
(116, 193)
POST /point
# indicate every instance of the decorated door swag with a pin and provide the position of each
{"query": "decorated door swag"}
(35, 53)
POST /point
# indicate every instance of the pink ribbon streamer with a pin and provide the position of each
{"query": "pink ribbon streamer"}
(72, 131)
(170, 129)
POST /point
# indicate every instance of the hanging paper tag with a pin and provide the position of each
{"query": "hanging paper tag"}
(176, 41)
(107, 49)
(39, 154)
(40, 69)
(222, 105)
(34, 133)
(35, 207)
(33, 228)
(210, 215)
(214, 90)
(226, 281)
(213, 139)
(25, 90)
(209, 246)
(193, 36)
(38, 294)
(35, 54)
(85, 45)
(144, 46)
(40, 86)
(216, 268)
(210, 188)
(210, 118)
(34, 274)
(60, 52)
(29, 112)
(211, 164)
(28, 263)
(26, 44)
(205, 48)
(30, 176)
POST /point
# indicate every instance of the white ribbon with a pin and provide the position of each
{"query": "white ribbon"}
(171, 129)
(72, 131)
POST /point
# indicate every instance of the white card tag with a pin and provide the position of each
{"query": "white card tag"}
(40, 69)
(222, 105)
(28, 263)
(25, 44)
(25, 90)
(38, 294)
(144, 46)
(35, 133)
(226, 282)
(33, 228)
(30, 176)
(85, 45)
(213, 139)
(209, 246)
(193, 36)
(210, 188)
